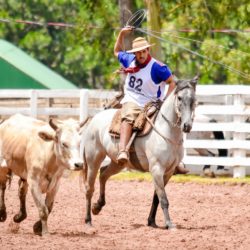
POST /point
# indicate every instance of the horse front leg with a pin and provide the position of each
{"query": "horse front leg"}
(105, 173)
(22, 191)
(155, 202)
(153, 210)
(159, 183)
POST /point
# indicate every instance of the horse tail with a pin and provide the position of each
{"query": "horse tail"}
(219, 135)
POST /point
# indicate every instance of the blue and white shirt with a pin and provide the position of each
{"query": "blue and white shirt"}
(145, 85)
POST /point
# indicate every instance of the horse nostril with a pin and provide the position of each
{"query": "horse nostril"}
(187, 127)
(78, 165)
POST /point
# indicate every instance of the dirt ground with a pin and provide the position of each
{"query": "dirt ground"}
(206, 216)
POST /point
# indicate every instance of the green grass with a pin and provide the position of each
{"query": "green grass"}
(138, 176)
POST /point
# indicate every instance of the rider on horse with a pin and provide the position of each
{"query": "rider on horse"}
(145, 82)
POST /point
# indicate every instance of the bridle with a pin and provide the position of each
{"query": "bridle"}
(176, 124)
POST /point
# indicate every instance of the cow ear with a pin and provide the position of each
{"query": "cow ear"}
(46, 136)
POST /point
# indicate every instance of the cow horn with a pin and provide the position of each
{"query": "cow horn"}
(53, 124)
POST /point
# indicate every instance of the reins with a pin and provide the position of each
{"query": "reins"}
(160, 134)
(176, 124)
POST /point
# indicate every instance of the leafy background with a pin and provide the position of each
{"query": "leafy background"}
(84, 54)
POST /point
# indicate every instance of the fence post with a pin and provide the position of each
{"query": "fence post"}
(33, 103)
(227, 118)
(84, 100)
(239, 171)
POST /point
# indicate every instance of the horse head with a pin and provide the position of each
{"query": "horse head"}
(185, 103)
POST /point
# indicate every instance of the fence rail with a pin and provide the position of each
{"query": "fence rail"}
(229, 105)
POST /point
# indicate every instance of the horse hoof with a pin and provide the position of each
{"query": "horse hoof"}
(170, 226)
(96, 208)
(3, 215)
(37, 228)
(152, 224)
(89, 229)
(19, 217)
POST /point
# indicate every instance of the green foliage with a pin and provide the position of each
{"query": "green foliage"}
(230, 49)
(84, 54)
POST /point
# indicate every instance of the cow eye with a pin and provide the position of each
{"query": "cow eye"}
(65, 145)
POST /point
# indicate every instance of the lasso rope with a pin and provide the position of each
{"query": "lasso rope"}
(135, 21)
(196, 41)
(242, 74)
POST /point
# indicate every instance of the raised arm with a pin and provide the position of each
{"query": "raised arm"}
(119, 40)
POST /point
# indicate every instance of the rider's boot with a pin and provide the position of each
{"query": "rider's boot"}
(125, 134)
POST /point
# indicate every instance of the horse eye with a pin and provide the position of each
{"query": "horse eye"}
(179, 98)
(65, 145)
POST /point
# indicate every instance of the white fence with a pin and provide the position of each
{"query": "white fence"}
(228, 104)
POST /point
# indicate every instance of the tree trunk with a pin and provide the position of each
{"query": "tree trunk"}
(126, 10)
(154, 24)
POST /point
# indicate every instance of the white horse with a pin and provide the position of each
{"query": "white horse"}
(159, 152)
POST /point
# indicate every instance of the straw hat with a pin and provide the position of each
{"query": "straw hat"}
(138, 44)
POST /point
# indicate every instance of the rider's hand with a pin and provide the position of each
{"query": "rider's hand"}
(127, 29)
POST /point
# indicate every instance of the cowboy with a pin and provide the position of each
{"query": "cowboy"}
(145, 82)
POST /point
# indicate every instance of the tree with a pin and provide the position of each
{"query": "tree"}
(154, 24)
(84, 53)
(126, 8)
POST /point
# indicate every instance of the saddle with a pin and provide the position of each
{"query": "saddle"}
(141, 125)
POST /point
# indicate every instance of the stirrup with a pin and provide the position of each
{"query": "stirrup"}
(122, 157)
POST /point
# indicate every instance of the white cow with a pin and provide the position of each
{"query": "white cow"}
(38, 153)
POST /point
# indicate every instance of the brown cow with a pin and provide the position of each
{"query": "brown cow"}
(38, 153)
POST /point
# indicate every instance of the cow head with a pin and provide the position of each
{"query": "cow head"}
(66, 137)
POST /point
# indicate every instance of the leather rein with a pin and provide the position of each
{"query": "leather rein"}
(177, 124)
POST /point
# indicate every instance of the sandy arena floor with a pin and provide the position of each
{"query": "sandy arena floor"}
(207, 217)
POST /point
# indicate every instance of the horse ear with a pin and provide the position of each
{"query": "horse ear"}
(177, 83)
(194, 81)
(196, 78)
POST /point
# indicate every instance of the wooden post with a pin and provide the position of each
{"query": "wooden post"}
(228, 101)
(239, 171)
(33, 103)
(84, 101)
